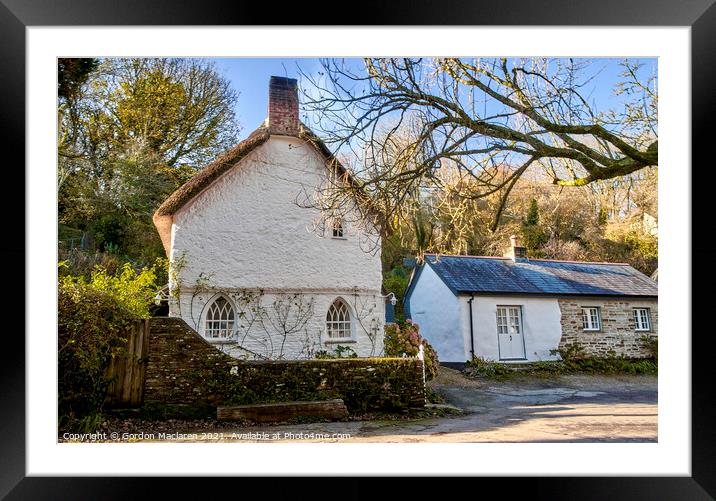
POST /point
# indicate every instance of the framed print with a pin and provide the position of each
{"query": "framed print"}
(676, 41)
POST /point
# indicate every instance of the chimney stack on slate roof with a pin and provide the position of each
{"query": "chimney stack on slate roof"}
(283, 106)
(516, 251)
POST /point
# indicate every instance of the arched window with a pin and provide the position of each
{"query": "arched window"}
(338, 228)
(219, 319)
(338, 320)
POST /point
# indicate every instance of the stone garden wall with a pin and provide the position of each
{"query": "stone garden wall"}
(188, 377)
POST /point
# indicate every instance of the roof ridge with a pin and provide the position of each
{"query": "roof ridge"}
(528, 259)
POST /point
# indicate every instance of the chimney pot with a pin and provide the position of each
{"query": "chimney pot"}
(283, 106)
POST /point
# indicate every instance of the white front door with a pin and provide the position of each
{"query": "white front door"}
(509, 333)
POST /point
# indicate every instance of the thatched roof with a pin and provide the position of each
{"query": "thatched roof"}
(164, 215)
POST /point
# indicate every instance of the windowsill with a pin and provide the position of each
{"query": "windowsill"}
(224, 340)
(339, 238)
(592, 330)
(642, 330)
(340, 341)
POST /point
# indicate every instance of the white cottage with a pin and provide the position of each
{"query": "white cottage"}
(254, 268)
(514, 309)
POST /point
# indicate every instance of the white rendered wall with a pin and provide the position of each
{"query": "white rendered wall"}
(540, 323)
(437, 312)
(246, 229)
(247, 232)
(265, 328)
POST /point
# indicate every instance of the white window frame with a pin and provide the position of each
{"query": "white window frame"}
(507, 326)
(339, 324)
(646, 318)
(338, 229)
(587, 315)
(230, 321)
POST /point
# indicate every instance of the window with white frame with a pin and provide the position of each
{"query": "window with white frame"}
(337, 228)
(508, 320)
(338, 320)
(220, 319)
(590, 318)
(641, 319)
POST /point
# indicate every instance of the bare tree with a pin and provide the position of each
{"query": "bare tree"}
(402, 120)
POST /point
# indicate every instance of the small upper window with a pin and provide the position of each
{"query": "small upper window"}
(219, 319)
(641, 319)
(590, 318)
(338, 228)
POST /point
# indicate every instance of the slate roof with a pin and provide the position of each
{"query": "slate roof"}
(467, 274)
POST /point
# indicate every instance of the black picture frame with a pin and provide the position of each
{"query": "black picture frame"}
(700, 15)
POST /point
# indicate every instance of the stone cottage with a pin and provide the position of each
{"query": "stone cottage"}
(512, 309)
(255, 265)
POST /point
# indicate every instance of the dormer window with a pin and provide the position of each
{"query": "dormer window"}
(338, 228)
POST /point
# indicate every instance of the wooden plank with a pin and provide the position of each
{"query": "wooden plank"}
(128, 366)
(138, 360)
(134, 360)
(283, 411)
(111, 373)
(127, 370)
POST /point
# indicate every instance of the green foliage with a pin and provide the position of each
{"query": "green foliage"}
(602, 217)
(396, 281)
(72, 73)
(133, 291)
(91, 325)
(93, 316)
(532, 218)
(134, 130)
(574, 361)
(363, 383)
(339, 351)
(651, 343)
(403, 339)
(533, 234)
(479, 367)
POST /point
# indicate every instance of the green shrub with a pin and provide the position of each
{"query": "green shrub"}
(364, 384)
(404, 338)
(396, 281)
(651, 343)
(574, 361)
(338, 352)
(479, 367)
(93, 317)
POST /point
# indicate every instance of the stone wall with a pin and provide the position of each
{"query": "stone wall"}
(617, 331)
(187, 376)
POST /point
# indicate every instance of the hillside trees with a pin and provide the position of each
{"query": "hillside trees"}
(130, 133)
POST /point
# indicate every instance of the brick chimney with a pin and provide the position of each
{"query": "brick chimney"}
(283, 106)
(516, 251)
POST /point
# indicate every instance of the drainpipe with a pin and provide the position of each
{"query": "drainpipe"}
(472, 339)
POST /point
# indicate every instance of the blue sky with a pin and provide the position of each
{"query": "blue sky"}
(250, 77)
